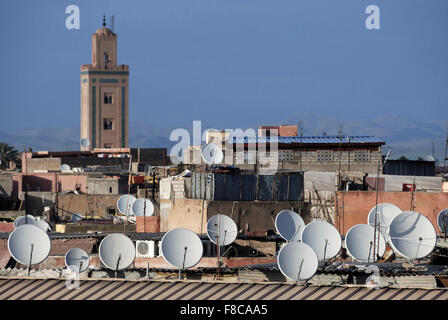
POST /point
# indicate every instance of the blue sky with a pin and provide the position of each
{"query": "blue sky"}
(230, 63)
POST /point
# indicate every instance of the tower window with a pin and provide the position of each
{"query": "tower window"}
(107, 98)
(108, 124)
(108, 145)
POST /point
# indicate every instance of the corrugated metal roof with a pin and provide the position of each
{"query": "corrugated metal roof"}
(118, 289)
(311, 139)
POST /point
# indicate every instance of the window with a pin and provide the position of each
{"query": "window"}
(107, 98)
(362, 156)
(108, 124)
(324, 156)
(108, 145)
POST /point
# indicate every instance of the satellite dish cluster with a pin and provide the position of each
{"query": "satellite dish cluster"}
(128, 205)
(410, 235)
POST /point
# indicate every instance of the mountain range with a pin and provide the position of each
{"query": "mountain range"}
(405, 136)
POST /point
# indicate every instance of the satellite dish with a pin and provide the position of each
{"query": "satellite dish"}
(76, 217)
(138, 207)
(359, 243)
(43, 225)
(29, 245)
(77, 260)
(123, 201)
(297, 261)
(386, 212)
(181, 248)
(221, 230)
(22, 220)
(117, 251)
(412, 235)
(85, 142)
(211, 153)
(442, 221)
(64, 167)
(289, 225)
(324, 238)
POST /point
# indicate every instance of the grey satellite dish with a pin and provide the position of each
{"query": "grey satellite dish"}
(412, 235)
(143, 207)
(64, 167)
(77, 260)
(29, 245)
(211, 153)
(221, 230)
(297, 261)
(43, 225)
(117, 251)
(289, 225)
(360, 245)
(442, 221)
(123, 201)
(27, 219)
(181, 248)
(386, 212)
(324, 238)
(85, 142)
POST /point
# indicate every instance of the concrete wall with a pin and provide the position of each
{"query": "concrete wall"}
(354, 206)
(42, 164)
(103, 185)
(6, 185)
(193, 214)
(85, 203)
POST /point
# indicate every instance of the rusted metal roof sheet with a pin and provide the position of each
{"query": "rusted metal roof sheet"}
(119, 289)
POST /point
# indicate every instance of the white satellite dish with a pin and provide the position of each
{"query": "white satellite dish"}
(117, 251)
(442, 221)
(297, 261)
(143, 207)
(64, 167)
(412, 235)
(324, 238)
(43, 225)
(77, 260)
(27, 219)
(211, 153)
(85, 142)
(123, 201)
(359, 242)
(29, 245)
(181, 248)
(221, 230)
(289, 225)
(386, 212)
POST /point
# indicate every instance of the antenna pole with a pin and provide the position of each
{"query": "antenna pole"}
(129, 191)
(300, 270)
(412, 195)
(183, 263)
(325, 249)
(31, 257)
(118, 262)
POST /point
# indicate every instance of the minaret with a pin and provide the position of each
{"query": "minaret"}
(104, 94)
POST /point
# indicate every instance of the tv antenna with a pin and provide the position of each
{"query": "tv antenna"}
(181, 248)
(29, 245)
(359, 244)
(222, 231)
(324, 238)
(289, 225)
(143, 207)
(117, 252)
(211, 154)
(297, 261)
(412, 235)
(77, 260)
(385, 212)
